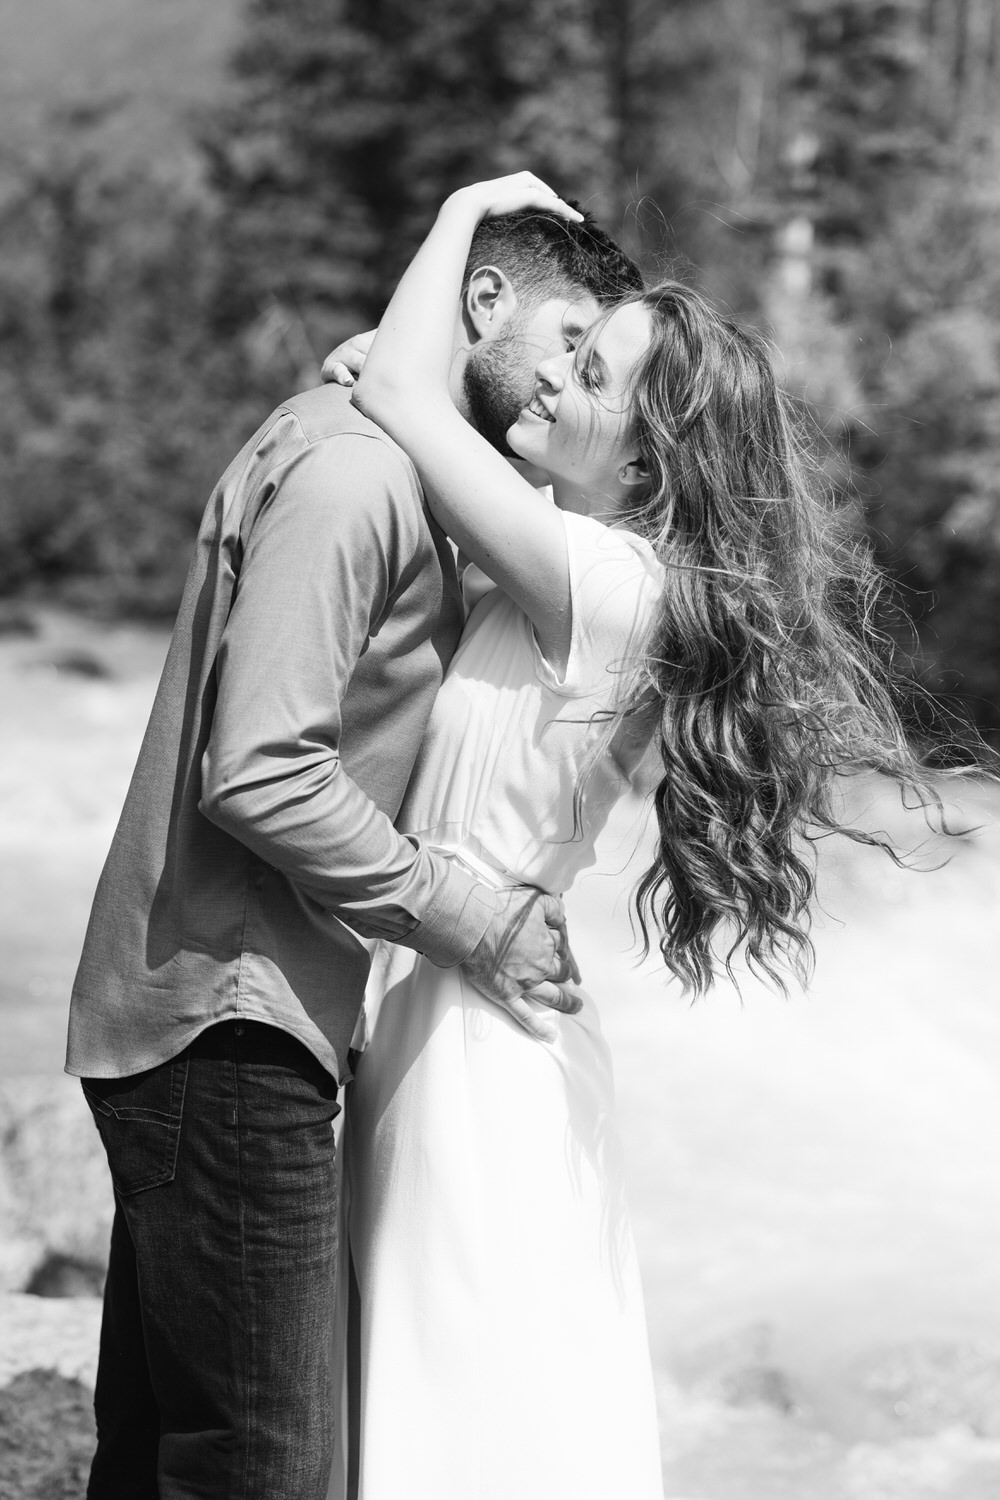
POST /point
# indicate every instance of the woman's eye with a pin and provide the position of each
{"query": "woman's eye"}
(588, 377)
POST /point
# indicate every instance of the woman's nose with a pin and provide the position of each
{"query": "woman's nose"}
(552, 371)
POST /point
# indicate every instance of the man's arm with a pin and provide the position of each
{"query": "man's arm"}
(319, 568)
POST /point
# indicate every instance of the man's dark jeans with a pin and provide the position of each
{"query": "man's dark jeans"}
(214, 1375)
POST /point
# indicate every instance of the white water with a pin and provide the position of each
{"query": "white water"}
(815, 1180)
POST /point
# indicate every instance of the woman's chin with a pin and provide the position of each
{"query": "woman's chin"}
(515, 437)
(523, 440)
(529, 456)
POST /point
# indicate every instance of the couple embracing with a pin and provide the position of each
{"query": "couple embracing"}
(346, 757)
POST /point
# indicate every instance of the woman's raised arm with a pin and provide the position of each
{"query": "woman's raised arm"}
(494, 515)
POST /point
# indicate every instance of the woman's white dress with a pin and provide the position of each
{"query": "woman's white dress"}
(502, 1352)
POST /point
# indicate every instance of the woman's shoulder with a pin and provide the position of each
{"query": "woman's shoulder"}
(613, 571)
(612, 547)
(616, 581)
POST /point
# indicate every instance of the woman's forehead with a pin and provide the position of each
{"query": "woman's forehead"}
(619, 337)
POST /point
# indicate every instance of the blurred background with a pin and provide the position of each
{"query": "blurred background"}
(196, 202)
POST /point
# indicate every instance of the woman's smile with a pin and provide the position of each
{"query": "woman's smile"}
(537, 408)
(582, 392)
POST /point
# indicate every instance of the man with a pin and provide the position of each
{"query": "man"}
(222, 973)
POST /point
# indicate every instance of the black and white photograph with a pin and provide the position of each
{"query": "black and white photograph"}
(500, 750)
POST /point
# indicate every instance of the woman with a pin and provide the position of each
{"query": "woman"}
(680, 606)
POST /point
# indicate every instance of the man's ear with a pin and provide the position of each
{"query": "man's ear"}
(633, 473)
(489, 301)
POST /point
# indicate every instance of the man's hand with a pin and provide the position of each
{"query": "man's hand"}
(343, 364)
(524, 960)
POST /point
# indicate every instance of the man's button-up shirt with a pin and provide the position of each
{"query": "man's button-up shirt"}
(256, 842)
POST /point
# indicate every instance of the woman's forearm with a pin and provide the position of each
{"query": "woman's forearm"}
(412, 351)
(488, 509)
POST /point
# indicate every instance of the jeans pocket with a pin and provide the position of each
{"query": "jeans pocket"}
(139, 1119)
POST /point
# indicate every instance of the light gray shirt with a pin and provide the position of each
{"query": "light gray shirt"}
(256, 840)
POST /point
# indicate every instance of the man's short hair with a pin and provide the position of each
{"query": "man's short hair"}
(545, 256)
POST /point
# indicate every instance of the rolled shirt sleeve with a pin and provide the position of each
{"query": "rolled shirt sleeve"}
(318, 574)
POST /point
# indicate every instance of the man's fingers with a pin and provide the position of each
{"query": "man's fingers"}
(526, 953)
(562, 997)
(552, 910)
(566, 964)
(344, 364)
(562, 970)
(335, 372)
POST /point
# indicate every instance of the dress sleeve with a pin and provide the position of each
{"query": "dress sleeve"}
(475, 586)
(615, 583)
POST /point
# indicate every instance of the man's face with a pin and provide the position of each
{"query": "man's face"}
(500, 373)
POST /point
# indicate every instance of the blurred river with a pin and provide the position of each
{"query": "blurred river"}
(815, 1180)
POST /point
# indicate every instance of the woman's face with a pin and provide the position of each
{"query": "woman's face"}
(576, 426)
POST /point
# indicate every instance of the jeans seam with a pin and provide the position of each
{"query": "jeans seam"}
(248, 1342)
(145, 1116)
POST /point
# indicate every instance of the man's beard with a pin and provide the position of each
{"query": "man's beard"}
(498, 385)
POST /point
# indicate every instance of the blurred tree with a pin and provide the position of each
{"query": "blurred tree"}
(894, 191)
(348, 123)
(828, 166)
(117, 406)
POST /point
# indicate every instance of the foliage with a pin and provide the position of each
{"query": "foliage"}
(933, 463)
(348, 124)
(901, 107)
(117, 403)
(828, 166)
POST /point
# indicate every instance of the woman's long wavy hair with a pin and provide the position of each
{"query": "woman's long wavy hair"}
(764, 680)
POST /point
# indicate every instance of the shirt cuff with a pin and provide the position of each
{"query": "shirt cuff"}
(457, 916)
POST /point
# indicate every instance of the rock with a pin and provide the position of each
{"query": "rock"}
(60, 1334)
(16, 621)
(66, 1276)
(55, 1191)
(77, 664)
(758, 1385)
(46, 1437)
(739, 1371)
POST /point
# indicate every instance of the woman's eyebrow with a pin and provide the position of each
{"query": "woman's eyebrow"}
(598, 365)
(574, 326)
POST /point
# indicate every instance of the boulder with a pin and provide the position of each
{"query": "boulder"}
(56, 1202)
